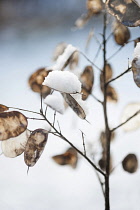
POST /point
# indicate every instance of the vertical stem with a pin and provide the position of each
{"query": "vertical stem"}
(107, 130)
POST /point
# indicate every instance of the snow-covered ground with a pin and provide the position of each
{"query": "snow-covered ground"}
(49, 186)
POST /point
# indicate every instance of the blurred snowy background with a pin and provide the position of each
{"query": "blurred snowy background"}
(29, 32)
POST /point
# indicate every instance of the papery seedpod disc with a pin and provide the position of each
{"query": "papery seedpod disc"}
(35, 146)
(82, 20)
(112, 95)
(130, 163)
(136, 41)
(59, 50)
(3, 108)
(126, 11)
(121, 33)
(94, 6)
(87, 80)
(15, 146)
(129, 111)
(70, 157)
(109, 74)
(12, 124)
(74, 105)
(136, 70)
(36, 80)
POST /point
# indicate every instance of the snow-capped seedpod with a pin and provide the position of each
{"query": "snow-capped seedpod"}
(136, 41)
(64, 59)
(63, 81)
(122, 10)
(74, 105)
(136, 65)
(87, 80)
(3, 108)
(70, 157)
(121, 33)
(130, 163)
(12, 124)
(109, 74)
(59, 50)
(36, 79)
(15, 146)
(94, 6)
(35, 146)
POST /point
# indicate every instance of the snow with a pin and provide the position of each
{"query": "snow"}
(63, 81)
(134, 123)
(62, 59)
(55, 102)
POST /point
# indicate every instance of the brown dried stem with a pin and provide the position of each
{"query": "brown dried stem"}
(65, 139)
(115, 78)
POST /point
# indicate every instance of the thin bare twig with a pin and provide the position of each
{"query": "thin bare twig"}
(65, 139)
(96, 98)
(115, 53)
(25, 110)
(46, 110)
(59, 127)
(54, 118)
(101, 183)
(89, 60)
(138, 112)
(32, 118)
(120, 75)
(83, 142)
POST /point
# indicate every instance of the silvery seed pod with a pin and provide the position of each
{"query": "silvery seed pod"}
(94, 6)
(121, 33)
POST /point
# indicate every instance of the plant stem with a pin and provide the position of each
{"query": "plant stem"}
(107, 130)
(65, 139)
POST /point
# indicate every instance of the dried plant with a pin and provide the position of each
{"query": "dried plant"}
(14, 133)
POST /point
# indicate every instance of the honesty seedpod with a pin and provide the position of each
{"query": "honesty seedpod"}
(3, 108)
(74, 105)
(70, 157)
(109, 74)
(15, 146)
(87, 80)
(35, 146)
(102, 163)
(94, 6)
(112, 95)
(130, 163)
(121, 33)
(126, 11)
(82, 20)
(136, 70)
(36, 80)
(103, 139)
(12, 124)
